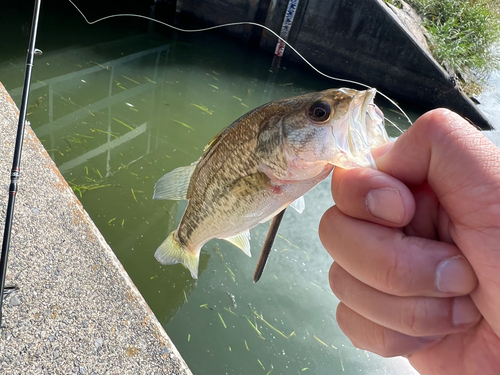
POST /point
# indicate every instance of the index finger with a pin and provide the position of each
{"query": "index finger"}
(371, 195)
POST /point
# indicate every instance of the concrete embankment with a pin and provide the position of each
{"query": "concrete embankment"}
(362, 40)
(74, 309)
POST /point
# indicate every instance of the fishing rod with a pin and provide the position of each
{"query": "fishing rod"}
(16, 163)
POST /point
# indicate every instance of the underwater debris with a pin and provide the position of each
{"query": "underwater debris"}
(183, 124)
(230, 311)
(122, 123)
(222, 320)
(270, 326)
(80, 188)
(203, 108)
(131, 80)
(255, 328)
(233, 276)
(95, 130)
(320, 341)
(55, 150)
(260, 363)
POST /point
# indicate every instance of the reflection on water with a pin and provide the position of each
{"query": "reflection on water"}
(490, 100)
(115, 118)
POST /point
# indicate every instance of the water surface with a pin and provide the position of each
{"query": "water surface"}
(115, 117)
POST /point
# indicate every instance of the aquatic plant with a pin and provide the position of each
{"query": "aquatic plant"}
(81, 188)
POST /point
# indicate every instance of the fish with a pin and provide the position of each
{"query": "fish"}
(265, 161)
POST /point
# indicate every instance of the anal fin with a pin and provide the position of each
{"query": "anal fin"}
(242, 241)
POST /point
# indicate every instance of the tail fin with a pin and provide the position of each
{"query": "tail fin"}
(172, 252)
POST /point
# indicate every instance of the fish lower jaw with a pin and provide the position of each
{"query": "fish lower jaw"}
(349, 161)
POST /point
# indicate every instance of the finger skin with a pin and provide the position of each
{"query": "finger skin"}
(453, 356)
(365, 334)
(429, 355)
(462, 168)
(388, 260)
(414, 316)
(386, 273)
(350, 188)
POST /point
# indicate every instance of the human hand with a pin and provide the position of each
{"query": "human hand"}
(416, 246)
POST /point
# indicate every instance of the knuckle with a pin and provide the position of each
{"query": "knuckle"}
(325, 231)
(387, 346)
(337, 281)
(415, 316)
(408, 318)
(327, 222)
(397, 276)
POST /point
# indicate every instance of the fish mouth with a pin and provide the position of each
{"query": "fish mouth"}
(361, 129)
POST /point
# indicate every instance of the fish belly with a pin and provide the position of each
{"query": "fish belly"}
(233, 214)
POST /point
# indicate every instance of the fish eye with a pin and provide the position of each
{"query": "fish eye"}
(319, 111)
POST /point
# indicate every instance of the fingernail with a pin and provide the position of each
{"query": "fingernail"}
(386, 204)
(464, 311)
(455, 275)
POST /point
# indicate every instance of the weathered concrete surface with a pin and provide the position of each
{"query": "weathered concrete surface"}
(76, 311)
(361, 40)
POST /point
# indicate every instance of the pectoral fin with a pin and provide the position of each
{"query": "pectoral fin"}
(242, 241)
(250, 184)
(298, 205)
(174, 185)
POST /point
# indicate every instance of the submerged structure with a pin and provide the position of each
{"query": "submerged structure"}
(361, 40)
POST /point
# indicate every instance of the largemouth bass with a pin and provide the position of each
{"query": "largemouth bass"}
(265, 161)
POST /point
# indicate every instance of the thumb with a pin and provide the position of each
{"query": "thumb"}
(452, 156)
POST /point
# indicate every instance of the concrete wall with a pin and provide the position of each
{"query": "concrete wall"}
(211, 12)
(74, 310)
(360, 40)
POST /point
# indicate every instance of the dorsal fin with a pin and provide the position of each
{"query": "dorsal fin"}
(213, 141)
(174, 185)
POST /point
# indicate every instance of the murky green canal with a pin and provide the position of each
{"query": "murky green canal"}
(116, 116)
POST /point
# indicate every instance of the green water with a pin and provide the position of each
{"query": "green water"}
(115, 117)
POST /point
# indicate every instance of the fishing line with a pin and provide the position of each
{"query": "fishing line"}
(252, 24)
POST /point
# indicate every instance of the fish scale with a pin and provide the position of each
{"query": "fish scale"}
(264, 161)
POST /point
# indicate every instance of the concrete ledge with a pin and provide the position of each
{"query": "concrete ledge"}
(76, 309)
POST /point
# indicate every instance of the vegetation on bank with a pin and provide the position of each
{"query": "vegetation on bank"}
(464, 37)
